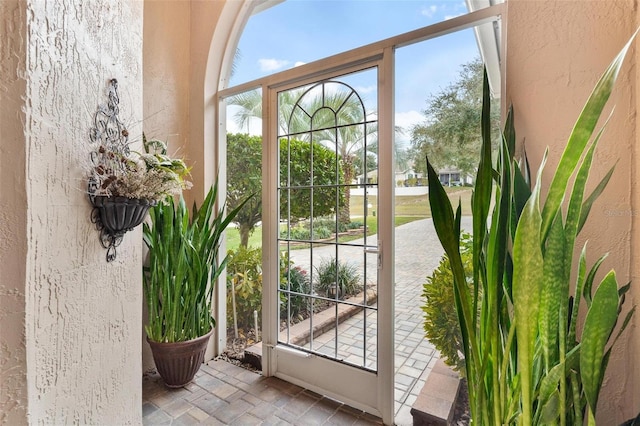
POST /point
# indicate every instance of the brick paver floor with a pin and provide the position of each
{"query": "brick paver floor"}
(225, 394)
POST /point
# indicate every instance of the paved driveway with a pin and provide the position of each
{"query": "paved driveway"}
(417, 254)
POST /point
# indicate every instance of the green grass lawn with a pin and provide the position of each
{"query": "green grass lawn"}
(415, 205)
(407, 210)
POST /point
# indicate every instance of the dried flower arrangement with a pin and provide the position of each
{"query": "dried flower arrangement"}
(151, 175)
(123, 184)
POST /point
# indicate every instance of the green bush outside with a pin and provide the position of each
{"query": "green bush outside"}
(244, 274)
(441, 324)
(323, 228)
(293, 279)
(330, 272)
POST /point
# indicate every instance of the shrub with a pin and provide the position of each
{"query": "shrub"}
(244, 271)
(441, 324)
(321, 230)
(296, 280)
(345, 274)
(355, 224)
(411, 182)
(326, 222)
(296, 233)
(330, 224)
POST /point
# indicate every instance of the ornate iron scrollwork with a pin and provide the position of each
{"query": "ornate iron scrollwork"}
(113, 216)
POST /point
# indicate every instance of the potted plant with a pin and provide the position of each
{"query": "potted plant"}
(529, 357)
(178, 281)
(124, 184)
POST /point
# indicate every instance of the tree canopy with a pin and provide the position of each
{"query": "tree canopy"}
(450, 135)
(297, 175)
(244, 177)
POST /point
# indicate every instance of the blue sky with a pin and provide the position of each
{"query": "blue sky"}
(301, 31)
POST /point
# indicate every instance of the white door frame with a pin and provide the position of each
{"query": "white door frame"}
(366, 390)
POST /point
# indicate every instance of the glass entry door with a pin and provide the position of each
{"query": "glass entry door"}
(329, 310)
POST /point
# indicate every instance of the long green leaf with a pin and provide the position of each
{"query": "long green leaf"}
(599, 322)
(554, 292)
(484, 182)
(575, 205)
(591, 276)
(577, 397)
(527, 280)
(551, 381)
(580, 136)
(550, 410)
(573, 314)
(509, 133)
(444, 223)
(447, 226)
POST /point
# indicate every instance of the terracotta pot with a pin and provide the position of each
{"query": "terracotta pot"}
(177, 363)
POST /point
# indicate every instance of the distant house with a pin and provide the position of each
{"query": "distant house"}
(370, 177)
(454, 177)
(407, 174)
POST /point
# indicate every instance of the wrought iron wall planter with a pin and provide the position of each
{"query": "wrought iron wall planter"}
(112, 215)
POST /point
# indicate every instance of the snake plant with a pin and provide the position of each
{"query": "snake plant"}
(526, 363)
(183, 266)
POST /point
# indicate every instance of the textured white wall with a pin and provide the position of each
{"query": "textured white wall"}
(82, 316)
(167, 62)
(556, 51)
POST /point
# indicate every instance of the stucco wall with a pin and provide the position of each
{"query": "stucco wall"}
(213, 50)
(166, 64)
(13, 205)
(82, 316)
(556, 51)
(634, 348)
(184, 46)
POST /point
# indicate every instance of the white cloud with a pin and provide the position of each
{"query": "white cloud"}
(407, 119)
(298, 63)
(366, 89)
(270, 65)
(429, 11)
(446, 17)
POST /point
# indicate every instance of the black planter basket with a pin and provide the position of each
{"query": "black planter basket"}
(114, 216)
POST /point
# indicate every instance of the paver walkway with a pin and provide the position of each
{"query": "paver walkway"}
(225, 394)
(417, 254)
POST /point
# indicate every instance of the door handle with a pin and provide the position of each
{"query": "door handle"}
(377, 251)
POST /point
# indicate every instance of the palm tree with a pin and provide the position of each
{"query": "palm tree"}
(329, 112)
(250, 104)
